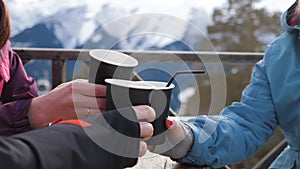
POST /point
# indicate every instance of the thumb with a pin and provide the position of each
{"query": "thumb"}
(169, 123)
(175, 127)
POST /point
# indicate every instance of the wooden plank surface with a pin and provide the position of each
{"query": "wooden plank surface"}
(155, 161)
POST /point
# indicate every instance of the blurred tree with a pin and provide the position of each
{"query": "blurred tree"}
(240, 27)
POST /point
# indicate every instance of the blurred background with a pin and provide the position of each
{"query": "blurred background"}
(214, 25)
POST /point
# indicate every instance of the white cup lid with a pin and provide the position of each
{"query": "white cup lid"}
(147, 85)
(113, 57)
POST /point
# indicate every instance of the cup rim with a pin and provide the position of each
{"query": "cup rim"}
(152, 85)
(100, 54)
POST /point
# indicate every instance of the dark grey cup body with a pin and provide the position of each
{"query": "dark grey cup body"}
(159, 100)
(99, 71)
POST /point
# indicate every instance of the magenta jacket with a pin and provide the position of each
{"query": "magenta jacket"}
(16, 95)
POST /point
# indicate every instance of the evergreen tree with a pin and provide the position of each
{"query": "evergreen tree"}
(240, 27)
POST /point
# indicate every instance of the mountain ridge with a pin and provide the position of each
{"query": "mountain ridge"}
(74, 26)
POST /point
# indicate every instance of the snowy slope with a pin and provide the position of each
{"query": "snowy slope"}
(74, 22)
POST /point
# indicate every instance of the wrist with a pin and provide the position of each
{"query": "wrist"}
(184, 146)
(36, 114)
(177, 147)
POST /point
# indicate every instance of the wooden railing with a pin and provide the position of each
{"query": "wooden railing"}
(59, 57)
(270, 157)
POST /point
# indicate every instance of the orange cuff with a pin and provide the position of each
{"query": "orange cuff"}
(76, 122)
(73, 121)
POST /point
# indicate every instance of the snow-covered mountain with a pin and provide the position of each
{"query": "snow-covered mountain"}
(122, 24)
(73, 23)
(127, 25)
(76, 24)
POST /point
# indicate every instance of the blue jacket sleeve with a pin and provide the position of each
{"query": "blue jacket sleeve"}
(241, 128)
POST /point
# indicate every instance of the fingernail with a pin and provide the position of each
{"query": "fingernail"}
(170, 122)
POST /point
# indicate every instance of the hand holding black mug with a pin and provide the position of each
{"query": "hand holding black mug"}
(124, 93)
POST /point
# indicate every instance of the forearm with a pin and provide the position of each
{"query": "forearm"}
(70, 100)
(177, 144)
(41, 112)
(16, 153)
(240, 130)
(62, 146)
(220, 140)
(70, 146)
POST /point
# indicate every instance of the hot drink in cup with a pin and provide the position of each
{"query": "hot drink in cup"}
(125, 93)
(110, 64)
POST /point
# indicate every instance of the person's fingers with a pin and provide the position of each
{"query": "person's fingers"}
(174, 127)
(89, 89)
(146, 130)
(143, 148)
(144, 113)
(84, 112)
(92, 102)
(60, 86)
(169, 122)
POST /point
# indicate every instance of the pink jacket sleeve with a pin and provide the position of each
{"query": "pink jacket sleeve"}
(16, 98)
